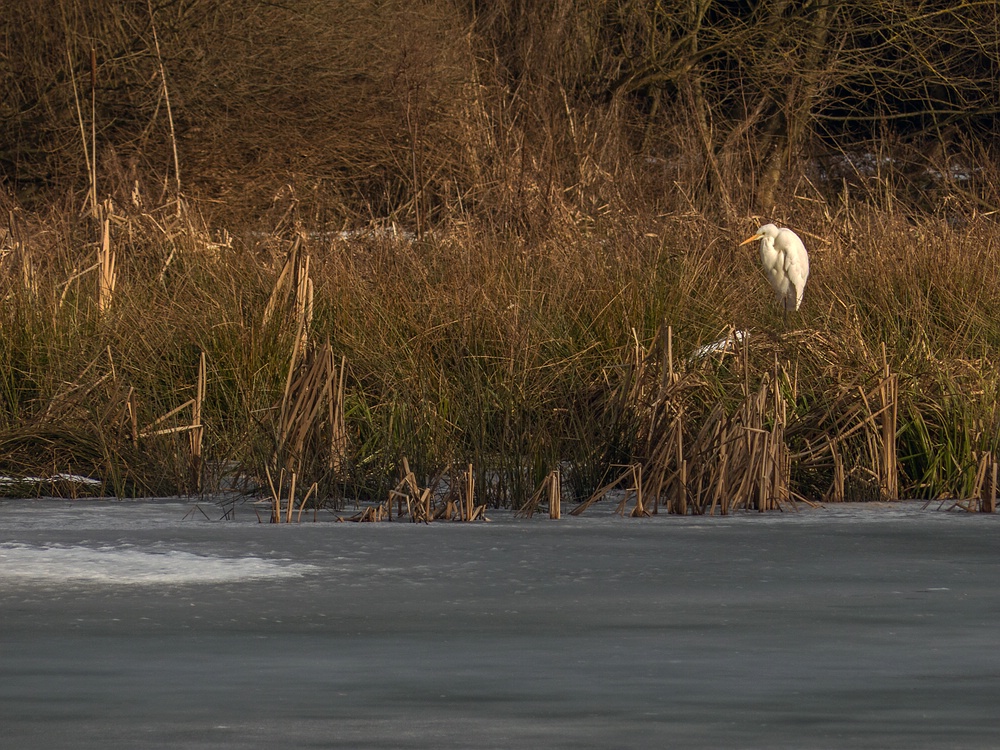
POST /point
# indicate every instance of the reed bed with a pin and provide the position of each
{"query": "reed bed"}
(554, 370)
(487, 258)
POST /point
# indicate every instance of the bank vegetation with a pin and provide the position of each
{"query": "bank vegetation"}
(355, 242)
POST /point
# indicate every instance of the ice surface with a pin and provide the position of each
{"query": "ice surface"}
(127, 565)
(847, 626)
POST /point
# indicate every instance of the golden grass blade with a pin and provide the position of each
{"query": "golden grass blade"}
(169, 414)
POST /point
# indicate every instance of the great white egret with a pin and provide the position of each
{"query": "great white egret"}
(785, 262)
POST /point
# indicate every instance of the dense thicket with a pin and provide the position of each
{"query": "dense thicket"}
(410, 110)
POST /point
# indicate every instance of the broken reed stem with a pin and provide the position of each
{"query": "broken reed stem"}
(29, 279)
(670, 355)
(304, 303)
(889, 392)
(197, 430)
(275, 497)
(276, 501)
(282, 287)
(640, 508)
(305, 499)
(408, 478)
(294, 279)
(988, 504)
(720, 486)
(633, 472)
(470, 489)
(338, 426)
(132, 416)
(417, 503)
(600, 493)
(108, 275)
(291, 499)
(550, 490)
(836, 492)
(167, 430)
(147, 431)
(412, 495)
(680, 504)
(555, 494)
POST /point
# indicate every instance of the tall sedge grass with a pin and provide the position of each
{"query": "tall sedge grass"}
(520, 356)
(415, 240)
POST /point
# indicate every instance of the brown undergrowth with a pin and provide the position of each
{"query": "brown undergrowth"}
(327, 359)
(334, 253)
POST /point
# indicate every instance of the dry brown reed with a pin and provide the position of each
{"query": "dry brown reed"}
(519, 230)
(759, 424)
(550, 492)
(424, 505)
(197, 428)
(282, 506)
(106, 261)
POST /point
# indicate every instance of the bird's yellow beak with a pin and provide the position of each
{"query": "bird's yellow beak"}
(749, 239)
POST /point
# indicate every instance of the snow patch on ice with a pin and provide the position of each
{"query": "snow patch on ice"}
(70, 478)
(128, 566)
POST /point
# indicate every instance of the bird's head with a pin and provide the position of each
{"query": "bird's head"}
(768, 230)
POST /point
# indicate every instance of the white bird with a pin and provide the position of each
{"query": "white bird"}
(785, 262)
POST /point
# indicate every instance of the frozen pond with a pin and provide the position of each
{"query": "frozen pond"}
(123, 625)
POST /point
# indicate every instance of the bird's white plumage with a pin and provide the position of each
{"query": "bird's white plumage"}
(785, 262)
